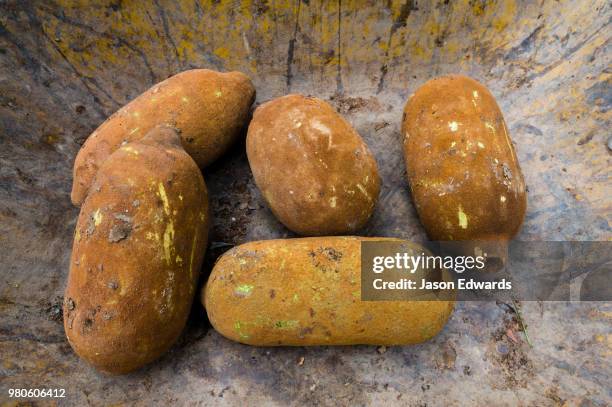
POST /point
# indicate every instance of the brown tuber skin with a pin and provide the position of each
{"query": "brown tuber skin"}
(138, 248)
(209, 109)
(464, 175)
(302, 292)
(314, 170)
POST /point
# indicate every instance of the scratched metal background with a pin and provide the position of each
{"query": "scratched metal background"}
(65, 66)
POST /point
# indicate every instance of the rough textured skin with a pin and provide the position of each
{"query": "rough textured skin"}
(138, 248)
(307, 291)
(313, 169)
(464, 175)
(208, 109)
(548, 65)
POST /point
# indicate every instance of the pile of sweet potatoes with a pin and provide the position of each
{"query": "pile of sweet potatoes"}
(142, 231)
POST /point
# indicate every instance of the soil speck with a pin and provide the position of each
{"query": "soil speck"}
(54, 310)
(345, 104)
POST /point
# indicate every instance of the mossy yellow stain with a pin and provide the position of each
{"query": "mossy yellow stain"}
(223, 29)
(264, 25)
(185, 47)
(478, 7)
(168, 242)
(506, 17)
(418, 50)
(51, 138)
(289, 324)
(97, 217)
(152, 236)
(452, 47)
(130, 149)
(164, 197)
(463, 219)
(192, 254)
(222, 52)
(244, 289)
(238, 327)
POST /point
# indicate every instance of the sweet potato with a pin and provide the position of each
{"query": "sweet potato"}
(314, 170)
(464, 174)
(138, 248)
(307, 291)
(208, 108)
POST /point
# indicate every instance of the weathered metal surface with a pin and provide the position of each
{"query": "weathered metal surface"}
(66, 66)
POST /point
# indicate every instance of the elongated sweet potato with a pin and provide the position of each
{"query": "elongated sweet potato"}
(208, 108)
(308, 292)
(464, 175)
(138, 249)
